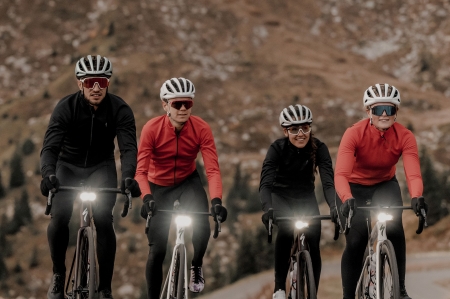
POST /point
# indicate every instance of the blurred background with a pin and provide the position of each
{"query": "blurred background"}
(248, 60)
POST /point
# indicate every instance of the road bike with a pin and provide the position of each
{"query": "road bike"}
(176, 282)
(379, 277)
(302, 284)
(83, 276)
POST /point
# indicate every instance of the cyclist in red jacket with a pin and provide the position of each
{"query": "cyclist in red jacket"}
(365, 169)
(166, 171)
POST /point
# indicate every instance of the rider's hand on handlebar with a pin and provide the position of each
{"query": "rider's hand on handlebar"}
(218, 210)
(146, 207)
(265, 219)
(49, 183)
(417, 204)
(348, 205)
(131, 185)
(334, 215)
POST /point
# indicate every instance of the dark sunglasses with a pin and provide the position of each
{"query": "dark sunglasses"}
(378, 110)
(90, 82)
(177, 104)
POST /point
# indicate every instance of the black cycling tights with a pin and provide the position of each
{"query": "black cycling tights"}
(287, 206)
(192, 196)
(385, 193)
(102, 175)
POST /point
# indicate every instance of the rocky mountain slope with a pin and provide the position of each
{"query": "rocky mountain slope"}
(247, 59)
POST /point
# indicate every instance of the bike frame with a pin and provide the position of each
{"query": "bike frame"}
(379, 235)
(85, 222)
(300, 243)
(179, 241)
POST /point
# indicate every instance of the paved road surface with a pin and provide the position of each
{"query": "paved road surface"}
(427, 277)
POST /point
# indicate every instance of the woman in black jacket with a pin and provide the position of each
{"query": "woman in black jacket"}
(287, 187)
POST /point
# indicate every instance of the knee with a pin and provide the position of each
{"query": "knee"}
(104, 226)
(156, 254)
(355, 245)
(60, 220)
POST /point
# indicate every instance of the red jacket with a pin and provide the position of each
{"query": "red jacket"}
(167, 158)
(368, 156)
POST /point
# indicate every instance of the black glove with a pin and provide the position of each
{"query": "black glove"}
(218, 210)
(418, 203)
(347, 205)
(334, 215)
(131, 185)
(265, 218)
(49, 183)
(147, 206)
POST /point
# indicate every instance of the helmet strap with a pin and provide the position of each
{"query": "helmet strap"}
(371, 121)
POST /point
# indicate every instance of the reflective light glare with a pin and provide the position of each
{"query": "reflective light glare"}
(384, 217)
(301, 224)
(183, 220)
(88, 196)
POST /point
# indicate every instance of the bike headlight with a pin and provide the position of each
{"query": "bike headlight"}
(300, 224)
(88, 196)
(183, 220)
(384, 217)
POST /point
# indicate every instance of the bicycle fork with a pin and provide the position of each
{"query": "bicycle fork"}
(381, 237)
(378, 235)
(169, 279)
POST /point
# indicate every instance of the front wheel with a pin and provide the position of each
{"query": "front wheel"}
(388, 271)
(306, 287)
(85, 284)
(177, 280)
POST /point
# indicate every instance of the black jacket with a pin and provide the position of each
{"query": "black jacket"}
(288, 170)
(79, 135)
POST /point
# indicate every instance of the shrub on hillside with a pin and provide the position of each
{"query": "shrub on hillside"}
(17, 178)
(28, 147)
(22, 214)
(435, 189)
(2, 189)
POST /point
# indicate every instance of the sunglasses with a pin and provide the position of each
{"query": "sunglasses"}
(378, 110)
(305, 129)
(90, 82)
(177, 104)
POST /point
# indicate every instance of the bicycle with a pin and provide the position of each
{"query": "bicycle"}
(302, 284)
(83, 283)
(176, 282)
(379, 277)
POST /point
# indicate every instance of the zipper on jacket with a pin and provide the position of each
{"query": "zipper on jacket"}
(177, 133)
(90, 138)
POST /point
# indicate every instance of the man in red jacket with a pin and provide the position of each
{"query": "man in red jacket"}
(166, 171)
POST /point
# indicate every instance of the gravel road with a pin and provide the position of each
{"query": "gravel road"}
(427, 276)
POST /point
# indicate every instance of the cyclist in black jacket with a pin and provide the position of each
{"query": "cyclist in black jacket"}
(79, 147)
(287, 187)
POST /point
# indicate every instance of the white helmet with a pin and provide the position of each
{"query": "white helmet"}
(93, 66)
(384, 94)
(177, 88)
(295, 115)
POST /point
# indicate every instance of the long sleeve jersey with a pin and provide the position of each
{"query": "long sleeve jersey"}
(288, 170)
(84, 137)
(368, 156)
(167, 157)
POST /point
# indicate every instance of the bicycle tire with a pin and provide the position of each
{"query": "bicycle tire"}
(362, 289)
(177, 290)
(388, 271)
(85, 284)
(306, 287)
